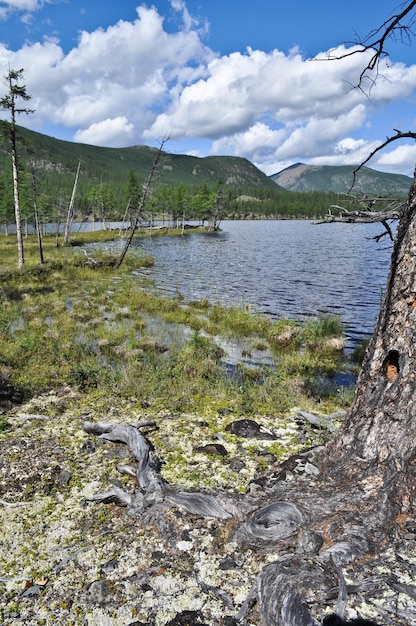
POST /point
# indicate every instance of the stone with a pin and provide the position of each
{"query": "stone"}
(250, 429)
(212, 448)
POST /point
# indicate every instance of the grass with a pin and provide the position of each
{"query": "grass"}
(80, 322)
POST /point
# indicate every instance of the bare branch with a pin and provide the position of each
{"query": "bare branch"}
(390, 211)
(399, 135)
(392, 28)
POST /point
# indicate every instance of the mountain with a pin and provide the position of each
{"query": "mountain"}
(56, 159)
(338, 179)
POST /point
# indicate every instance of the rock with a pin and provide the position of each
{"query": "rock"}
(265, 457)
(310, 469)
(64, 478)
(236, 465)
(212, 448)
(89, 447)
(110, 566)
(99, 591)
(227, 564)
(250, 429)
(187, 618)
(32, 592)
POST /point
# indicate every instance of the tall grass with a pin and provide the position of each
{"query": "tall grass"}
(78, 323)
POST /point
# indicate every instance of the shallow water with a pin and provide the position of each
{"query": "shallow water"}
(290, 269)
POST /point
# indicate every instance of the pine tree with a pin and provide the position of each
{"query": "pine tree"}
(16, 91)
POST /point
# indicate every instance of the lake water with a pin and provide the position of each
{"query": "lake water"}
(279, 268)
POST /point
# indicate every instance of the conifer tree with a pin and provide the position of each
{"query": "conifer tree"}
(15, 92)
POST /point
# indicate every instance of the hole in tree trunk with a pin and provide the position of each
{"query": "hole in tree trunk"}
(391, 365)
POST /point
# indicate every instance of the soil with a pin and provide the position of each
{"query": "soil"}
(67, 560)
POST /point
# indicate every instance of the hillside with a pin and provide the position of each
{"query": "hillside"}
(58, 159)
(338, 179)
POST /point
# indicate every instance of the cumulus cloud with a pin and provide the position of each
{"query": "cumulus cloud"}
(108, 133)
(274, 108)
(127, 70)
(26, 6)
(395, 160)
(135, 82)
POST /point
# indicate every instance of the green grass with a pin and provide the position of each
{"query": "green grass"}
(85, 324)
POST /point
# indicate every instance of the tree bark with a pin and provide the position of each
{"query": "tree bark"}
(19, 234)
(361, 499)
(378, 436)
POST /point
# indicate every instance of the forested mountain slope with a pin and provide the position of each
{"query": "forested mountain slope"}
(59, 159)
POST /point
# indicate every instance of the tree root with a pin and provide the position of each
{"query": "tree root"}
(319, 529)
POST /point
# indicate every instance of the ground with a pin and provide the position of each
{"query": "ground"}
(67, 560)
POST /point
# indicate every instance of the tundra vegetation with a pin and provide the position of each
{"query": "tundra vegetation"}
(83, 341)
(114, 333)
(281, 533)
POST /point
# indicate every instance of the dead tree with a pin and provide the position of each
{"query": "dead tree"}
(367, 214)
(364, 495)
(71, 208)
(147, 187)
(36, 213)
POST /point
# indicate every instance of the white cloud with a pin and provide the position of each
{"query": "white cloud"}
(27, 6)
(123, 71)
(110, 132)
(135, 82)
(23, 5)
(397, 160)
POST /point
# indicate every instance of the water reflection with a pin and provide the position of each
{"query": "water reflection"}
(279, 268)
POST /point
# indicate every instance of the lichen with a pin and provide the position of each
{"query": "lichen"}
(56, 537)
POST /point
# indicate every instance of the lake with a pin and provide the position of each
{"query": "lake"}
(290, 269)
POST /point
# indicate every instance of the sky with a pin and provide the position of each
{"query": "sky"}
(248, 78)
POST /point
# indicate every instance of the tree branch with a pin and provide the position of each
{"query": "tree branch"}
(376, 40)
(399, 135)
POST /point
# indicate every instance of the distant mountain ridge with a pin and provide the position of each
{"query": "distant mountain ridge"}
(338, 179)
(57, 160)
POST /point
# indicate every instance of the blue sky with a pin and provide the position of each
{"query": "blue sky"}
(233, 77)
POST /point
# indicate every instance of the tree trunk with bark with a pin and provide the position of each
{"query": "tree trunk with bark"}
(356, 507)
(18, 218)
(377, 443)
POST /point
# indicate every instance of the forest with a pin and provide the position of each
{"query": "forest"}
(111, 182)
(321, 535)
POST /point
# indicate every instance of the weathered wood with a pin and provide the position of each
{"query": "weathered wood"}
(359, 217)
(364, 490)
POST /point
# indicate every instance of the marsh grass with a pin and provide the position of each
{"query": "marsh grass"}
(77, 321)
(325, 326)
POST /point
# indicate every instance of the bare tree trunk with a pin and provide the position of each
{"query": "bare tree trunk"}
(70, 213)
(146, 190)
(36, 216)
(378, 438)
(15, 92)
(19, 234)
